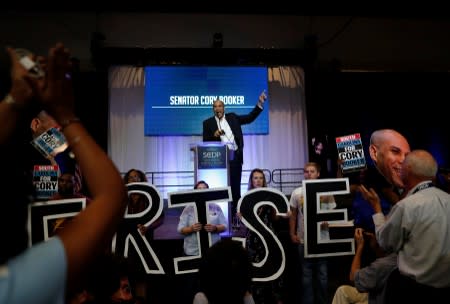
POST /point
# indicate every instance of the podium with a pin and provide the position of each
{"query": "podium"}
(211, 163)
(211, 166)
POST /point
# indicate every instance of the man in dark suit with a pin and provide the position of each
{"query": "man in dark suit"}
(226, 128)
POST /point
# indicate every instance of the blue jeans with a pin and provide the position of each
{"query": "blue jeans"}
(314, 279)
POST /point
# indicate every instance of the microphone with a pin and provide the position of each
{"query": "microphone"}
(221, 132)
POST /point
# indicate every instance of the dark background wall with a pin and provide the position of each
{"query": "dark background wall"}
(410, 102)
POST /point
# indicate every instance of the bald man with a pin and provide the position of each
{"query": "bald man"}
(388, 149)
(226, 128)
(417, 228)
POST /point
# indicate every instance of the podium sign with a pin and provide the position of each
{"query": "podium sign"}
(211, 163)
(212, 157)
(211, 166)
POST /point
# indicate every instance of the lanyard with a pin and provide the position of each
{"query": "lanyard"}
(423, 186)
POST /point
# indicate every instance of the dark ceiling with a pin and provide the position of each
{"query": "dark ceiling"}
(283, 7)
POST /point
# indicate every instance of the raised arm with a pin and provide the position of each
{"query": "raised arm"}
(250, 117)
(261, 99)
(356, 262)
(94, 227)
(61, 259)
(15, 102)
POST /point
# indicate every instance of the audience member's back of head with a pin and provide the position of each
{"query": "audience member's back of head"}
(225, 272)
(421, 164)
(105, 276)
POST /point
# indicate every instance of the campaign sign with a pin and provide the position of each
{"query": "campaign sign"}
(50, 142)
(351, 152)
(45, 180)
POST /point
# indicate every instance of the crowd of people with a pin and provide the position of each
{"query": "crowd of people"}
(401, 216)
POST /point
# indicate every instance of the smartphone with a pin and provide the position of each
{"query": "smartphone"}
(32, 66)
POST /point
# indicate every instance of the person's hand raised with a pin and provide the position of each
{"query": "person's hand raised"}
(262, 98)
(56, 93)
(21, 83)
(372, 197)
(359, 237)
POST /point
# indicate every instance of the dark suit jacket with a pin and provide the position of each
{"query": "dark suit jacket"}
(235, 121)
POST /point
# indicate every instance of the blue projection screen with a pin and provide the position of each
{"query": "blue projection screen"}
(179, 98)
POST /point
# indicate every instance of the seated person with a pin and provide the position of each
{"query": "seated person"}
(368, 282)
